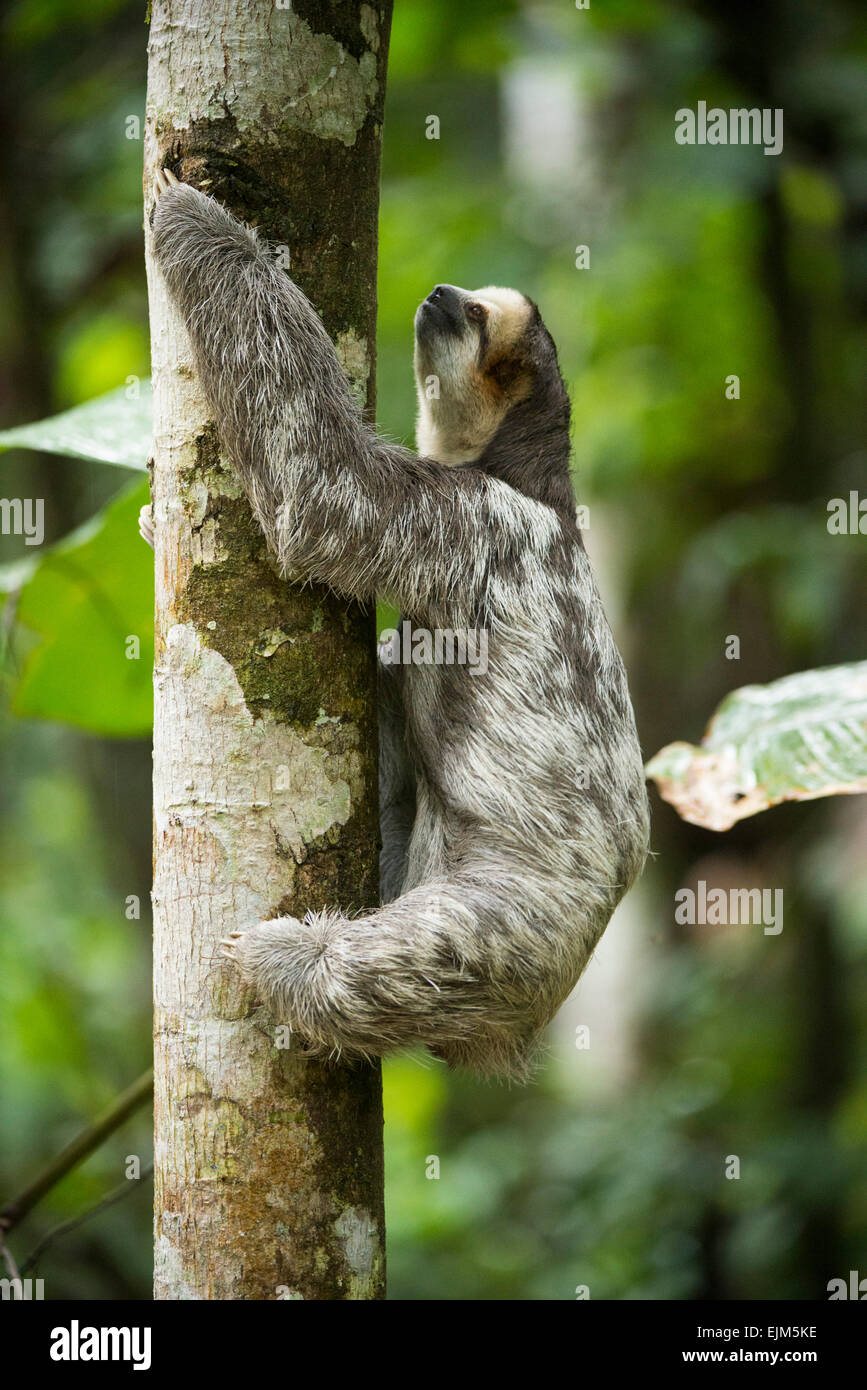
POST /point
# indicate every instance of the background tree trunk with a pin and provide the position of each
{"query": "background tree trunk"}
(268, 1166)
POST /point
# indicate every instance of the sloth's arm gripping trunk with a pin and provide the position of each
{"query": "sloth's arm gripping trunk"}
(336, 504)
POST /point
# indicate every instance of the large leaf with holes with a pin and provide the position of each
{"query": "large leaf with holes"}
(115, 428)
(74, 657)
(801, 737)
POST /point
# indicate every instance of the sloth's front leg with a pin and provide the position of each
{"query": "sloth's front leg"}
(336, 504)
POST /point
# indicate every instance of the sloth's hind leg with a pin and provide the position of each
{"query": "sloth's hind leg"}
(428, 968)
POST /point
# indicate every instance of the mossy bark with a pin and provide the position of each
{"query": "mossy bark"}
(269, 1175)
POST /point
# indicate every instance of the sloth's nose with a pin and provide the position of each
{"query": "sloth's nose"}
(439, 293)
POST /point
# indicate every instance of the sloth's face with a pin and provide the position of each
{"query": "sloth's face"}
(471, 367)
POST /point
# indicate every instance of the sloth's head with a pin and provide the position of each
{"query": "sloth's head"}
(486, 373)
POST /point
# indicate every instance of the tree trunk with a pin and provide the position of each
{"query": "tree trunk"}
(268, 1166)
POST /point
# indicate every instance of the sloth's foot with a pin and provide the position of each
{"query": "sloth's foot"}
(268, 956)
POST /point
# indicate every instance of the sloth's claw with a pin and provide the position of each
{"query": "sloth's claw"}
(164, 179)
(146, 524)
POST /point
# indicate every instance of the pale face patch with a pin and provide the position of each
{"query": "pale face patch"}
(469, 367)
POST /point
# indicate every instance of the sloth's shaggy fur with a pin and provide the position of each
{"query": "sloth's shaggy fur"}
(514, 812)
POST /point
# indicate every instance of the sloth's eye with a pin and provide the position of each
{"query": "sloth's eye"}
(476, 312)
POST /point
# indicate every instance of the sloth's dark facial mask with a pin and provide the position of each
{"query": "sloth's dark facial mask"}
(442, 315)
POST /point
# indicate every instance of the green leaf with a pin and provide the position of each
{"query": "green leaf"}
(86, 598)
(110, 429)
(799, 738)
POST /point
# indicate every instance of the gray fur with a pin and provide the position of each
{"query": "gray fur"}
(500, 867)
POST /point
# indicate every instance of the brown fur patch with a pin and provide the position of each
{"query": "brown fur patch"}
(504, 371)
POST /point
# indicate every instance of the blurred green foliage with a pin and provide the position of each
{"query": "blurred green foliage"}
(93, 615)
(707, 518)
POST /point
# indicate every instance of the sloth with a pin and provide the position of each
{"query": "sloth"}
(514, 813)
